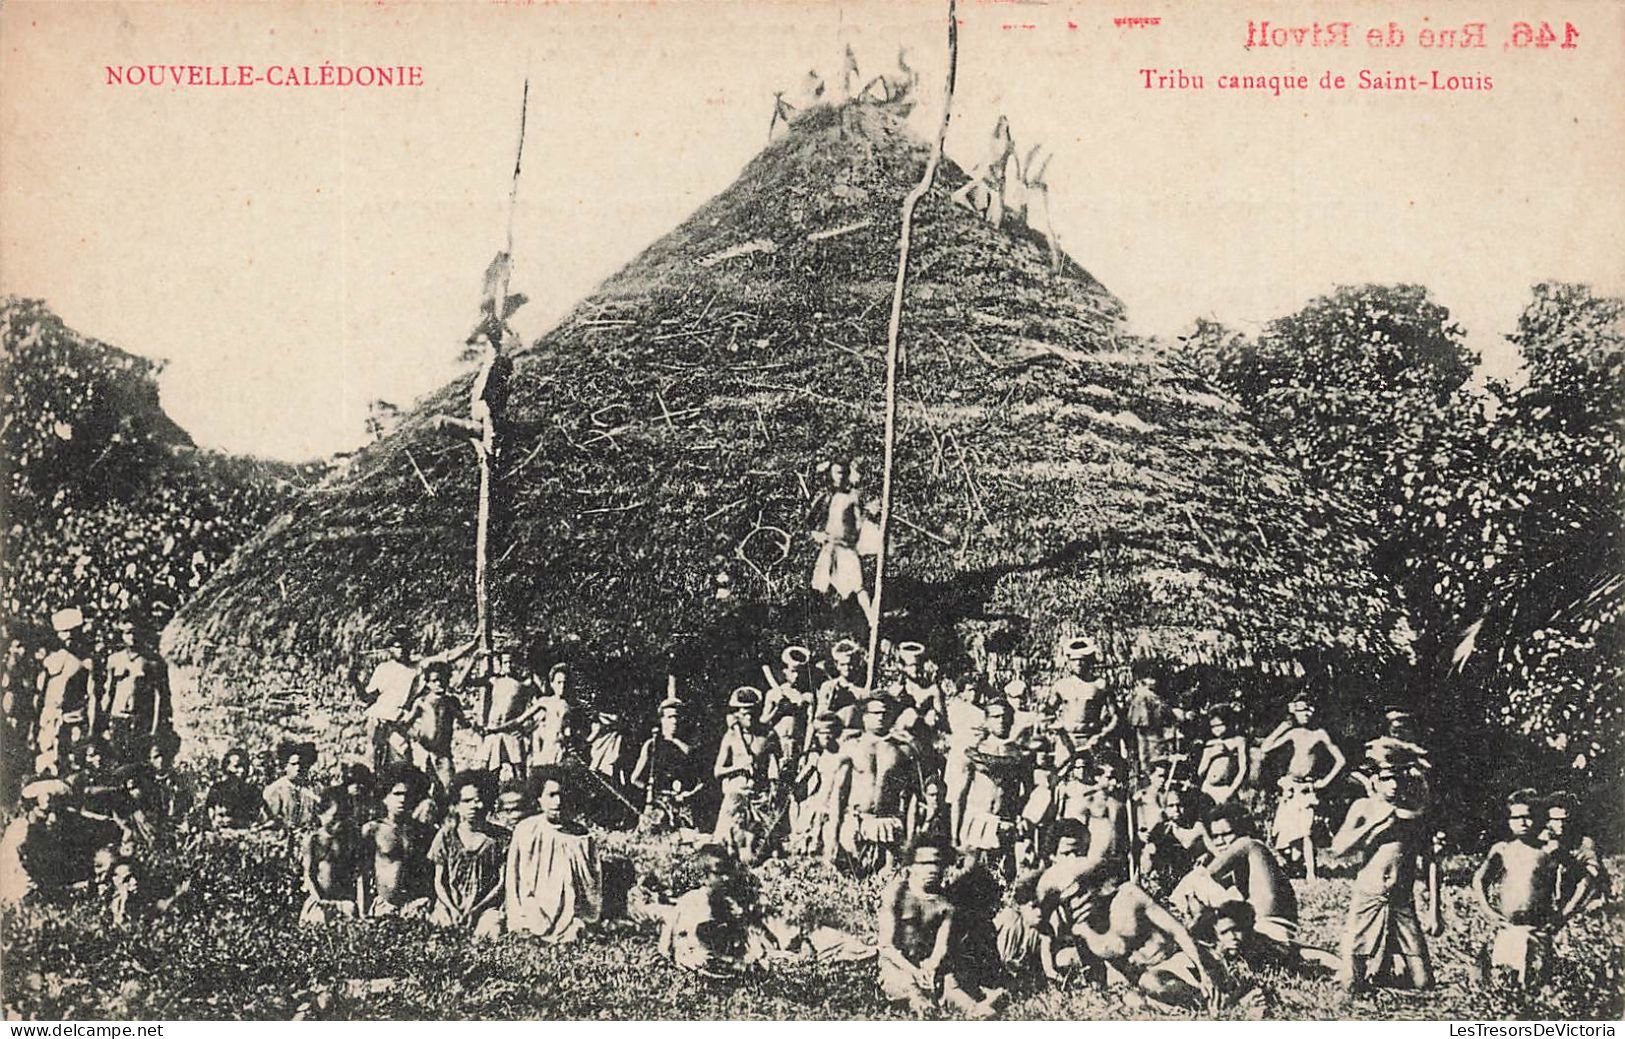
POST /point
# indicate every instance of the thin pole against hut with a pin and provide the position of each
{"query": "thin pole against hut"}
(894, 328)
(488, 396)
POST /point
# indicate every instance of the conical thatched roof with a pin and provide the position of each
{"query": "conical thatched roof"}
(1053, 470)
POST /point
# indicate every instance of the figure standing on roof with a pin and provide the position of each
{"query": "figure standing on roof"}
(838, 570)
(983, 194)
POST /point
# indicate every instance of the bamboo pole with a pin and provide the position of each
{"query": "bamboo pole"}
(893, 329)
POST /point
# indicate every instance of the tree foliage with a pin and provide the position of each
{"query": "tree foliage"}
(1497, 514)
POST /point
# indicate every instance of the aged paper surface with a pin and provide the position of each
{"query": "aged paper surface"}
(292, 209)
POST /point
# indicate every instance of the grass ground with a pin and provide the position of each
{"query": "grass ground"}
(232, 949)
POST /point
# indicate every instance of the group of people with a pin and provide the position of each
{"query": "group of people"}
(1027, 832)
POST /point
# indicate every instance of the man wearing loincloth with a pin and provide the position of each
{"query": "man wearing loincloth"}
(875, 793)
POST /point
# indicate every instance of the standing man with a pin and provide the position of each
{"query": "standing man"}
(1222, 768)
(1000, 771)
(137, 696)
(667, 773)
(744, 770)
(839, 694)
(552, 714)
(922, 688)
(505, 708)
(812, 830)
(1389, 831)
(387, 694)
(875, 792)
(1316, 761)
(66, 683)
(1525, 905)
(431, 722)
(1085, 714)
(1582, 881)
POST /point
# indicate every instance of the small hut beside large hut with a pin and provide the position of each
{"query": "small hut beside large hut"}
(1054, 473)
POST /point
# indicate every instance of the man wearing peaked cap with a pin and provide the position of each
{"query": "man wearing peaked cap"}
(67, 678)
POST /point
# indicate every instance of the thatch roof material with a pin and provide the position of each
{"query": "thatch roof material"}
(1053, 469)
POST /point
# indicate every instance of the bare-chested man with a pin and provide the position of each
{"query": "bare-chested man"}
(400, 875)
(812, 826)
(922, 688)
(875, 792)
(431, 722)
(1315, 762)
(1242, 865)
(1222, 768)
(332, 874)
(1085, 714)
(1139, 940)
(505, 708)
(1388, 830)
(916, 920)
(1525, 904)
(745, 768)
(787, 694)
(667, 773)
(839, 694)
(999, 774)
(550, 717)
(1583, 883)
(66, 683)
(137, 694)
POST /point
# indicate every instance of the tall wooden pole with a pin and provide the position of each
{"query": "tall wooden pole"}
(485, 447)
(894, 328)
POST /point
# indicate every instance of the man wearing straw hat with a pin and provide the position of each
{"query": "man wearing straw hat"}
(66, 679)
(1085, 714)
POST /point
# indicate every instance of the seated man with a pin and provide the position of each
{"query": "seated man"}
(1174, 843)
(468, 860)
(398, 845)
(1242, 867)
(1141, 943)
(915, 921)
(554, 883)
(716, 928)
(332, 873)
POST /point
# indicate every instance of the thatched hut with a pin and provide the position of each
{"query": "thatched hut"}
(1054, 472)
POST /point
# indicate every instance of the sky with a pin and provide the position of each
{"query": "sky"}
(293, 253)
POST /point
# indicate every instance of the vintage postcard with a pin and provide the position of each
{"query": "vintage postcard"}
(946, 509)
